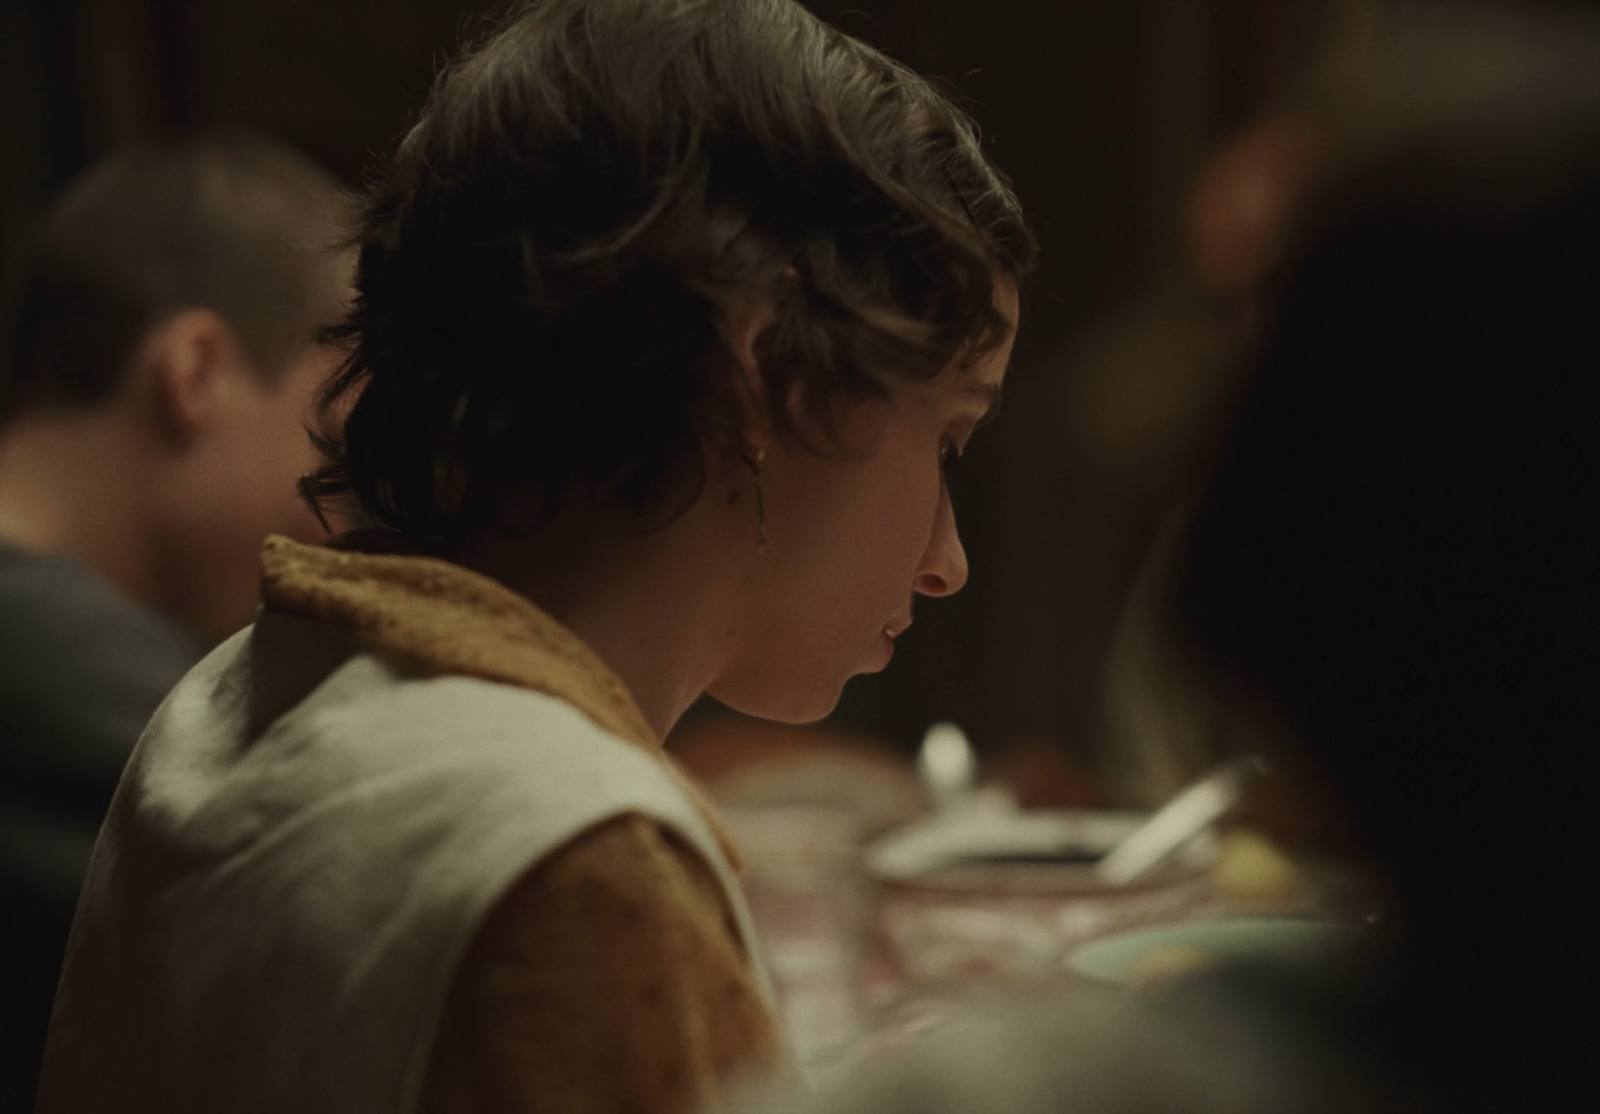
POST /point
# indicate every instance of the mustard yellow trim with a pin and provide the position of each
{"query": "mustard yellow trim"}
(438, 618)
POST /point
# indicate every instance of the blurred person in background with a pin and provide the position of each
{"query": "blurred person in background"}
(1160, 725)
(159, 368)
(1124, 427)
(1394, 561)
(667, 319)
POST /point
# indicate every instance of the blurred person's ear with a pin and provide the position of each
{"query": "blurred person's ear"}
(1243, 204)
(188, 361)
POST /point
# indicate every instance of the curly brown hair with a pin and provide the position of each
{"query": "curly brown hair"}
(546, 262)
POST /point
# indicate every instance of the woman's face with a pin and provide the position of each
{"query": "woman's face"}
(851, 539)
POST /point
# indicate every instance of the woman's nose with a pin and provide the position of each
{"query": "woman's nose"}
(944, 563)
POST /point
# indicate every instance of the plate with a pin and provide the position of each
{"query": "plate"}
(993, 834)
(1288, 941)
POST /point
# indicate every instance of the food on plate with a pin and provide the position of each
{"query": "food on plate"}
(1250, 867)
(1167, 962)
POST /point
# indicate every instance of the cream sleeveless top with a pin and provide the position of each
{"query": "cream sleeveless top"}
(278, 902)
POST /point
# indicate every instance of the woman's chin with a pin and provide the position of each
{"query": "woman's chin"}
(785, 704)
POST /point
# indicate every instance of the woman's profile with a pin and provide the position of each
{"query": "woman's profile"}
(667, 315)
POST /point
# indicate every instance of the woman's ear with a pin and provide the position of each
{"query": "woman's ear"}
(745, 325)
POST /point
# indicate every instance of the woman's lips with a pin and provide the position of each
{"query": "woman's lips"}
(888, 648)
(891, 631)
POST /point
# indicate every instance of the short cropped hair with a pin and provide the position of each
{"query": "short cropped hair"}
(229, 221)
(544, 266)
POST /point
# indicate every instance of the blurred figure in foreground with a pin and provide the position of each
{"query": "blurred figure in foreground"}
(158, 370)
(1395, 560)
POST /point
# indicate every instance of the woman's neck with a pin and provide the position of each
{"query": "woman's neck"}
(652, 604)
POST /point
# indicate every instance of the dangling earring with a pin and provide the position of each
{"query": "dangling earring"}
(761, 499)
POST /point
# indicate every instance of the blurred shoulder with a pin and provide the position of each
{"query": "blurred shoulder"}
(58, 615)
(80, 665)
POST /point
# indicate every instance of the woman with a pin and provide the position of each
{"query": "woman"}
(667, 316)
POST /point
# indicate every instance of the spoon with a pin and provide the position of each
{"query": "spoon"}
(947, 765)
(1176, 822)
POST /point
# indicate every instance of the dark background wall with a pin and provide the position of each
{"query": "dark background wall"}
(1101, 110)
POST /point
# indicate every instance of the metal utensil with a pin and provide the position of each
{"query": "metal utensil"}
(1176, 822)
